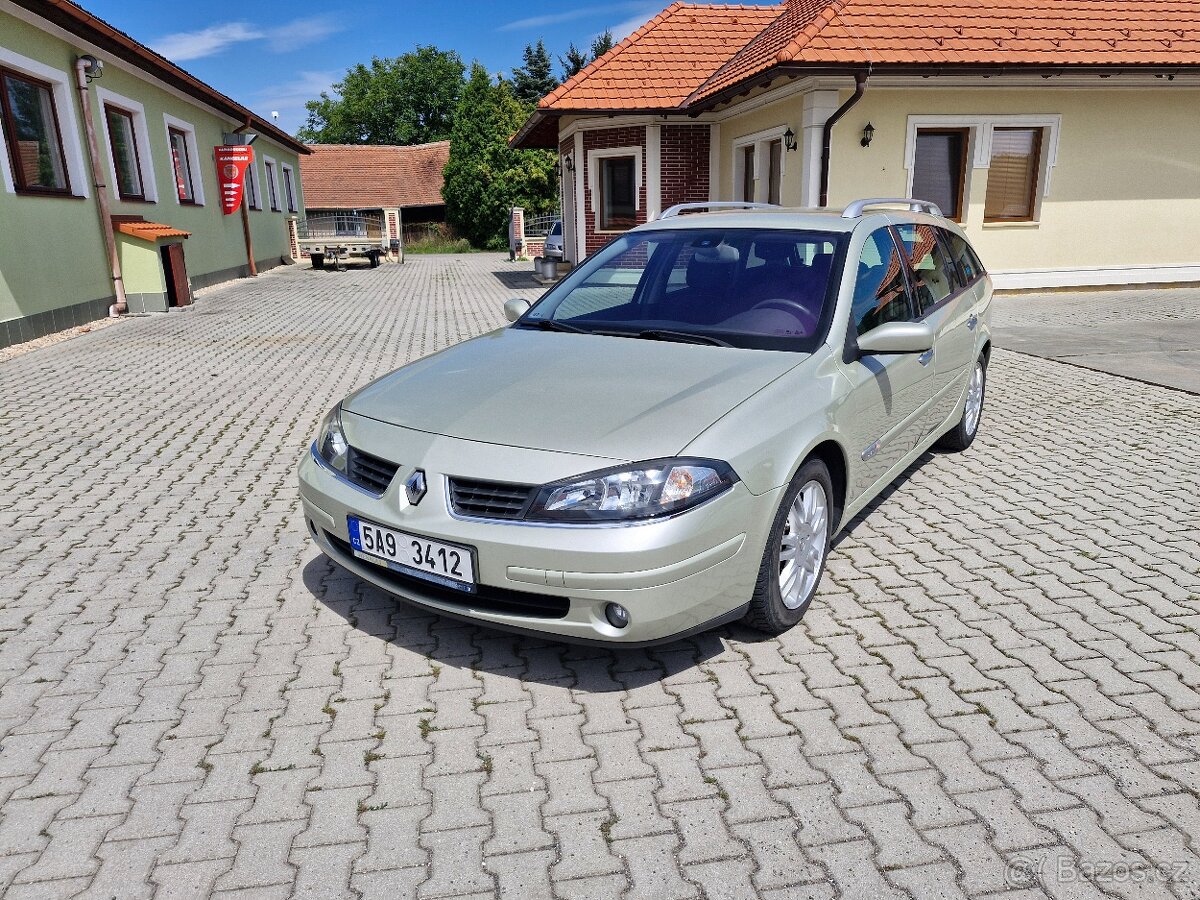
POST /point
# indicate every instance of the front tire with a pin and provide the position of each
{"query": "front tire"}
(318, 260)
(797, 547)
(962, 435)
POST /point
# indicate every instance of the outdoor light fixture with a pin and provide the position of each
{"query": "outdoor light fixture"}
(868, 135)
(92, 67)
(557, 169)
(789, 139)
(570, 163)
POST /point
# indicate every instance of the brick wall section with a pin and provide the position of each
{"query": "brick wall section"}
(602, 140)
(684, 164)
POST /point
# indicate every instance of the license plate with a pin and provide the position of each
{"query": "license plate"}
(451, 565)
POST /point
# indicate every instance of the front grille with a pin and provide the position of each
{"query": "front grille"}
(490, 499)
(491, 599)
(370, 472)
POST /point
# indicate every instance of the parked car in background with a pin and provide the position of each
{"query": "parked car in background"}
(670, 438)
(554, 242)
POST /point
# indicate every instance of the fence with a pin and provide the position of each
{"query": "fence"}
(339, 225)
(539, 226)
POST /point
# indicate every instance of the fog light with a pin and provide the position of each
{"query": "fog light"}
(617, 615)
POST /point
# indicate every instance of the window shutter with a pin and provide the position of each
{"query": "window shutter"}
(1012, 178)
(938, 168)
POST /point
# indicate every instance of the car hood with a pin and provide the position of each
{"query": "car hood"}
(595, 395)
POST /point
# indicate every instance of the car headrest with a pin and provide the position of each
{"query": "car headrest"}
(773, 251)
(712, 268)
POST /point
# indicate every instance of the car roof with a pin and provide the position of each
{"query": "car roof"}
(797, 218)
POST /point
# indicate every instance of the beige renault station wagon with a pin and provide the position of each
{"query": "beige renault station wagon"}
(668, 439)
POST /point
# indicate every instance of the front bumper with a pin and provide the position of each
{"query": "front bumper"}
(674, 576)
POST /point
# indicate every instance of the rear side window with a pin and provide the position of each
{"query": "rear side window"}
(879, 293)
(557, 229)
(934, 275)
(963, 255)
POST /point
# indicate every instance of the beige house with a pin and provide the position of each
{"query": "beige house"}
(1065, 137)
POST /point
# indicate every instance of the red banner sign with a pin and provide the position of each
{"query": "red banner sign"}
(232, 163)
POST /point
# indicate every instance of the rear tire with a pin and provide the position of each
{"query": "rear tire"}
(962, 435)
(797, 548)
(373, 260)
(318, 260)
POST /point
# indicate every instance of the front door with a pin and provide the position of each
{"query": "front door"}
(890, 393)
(179, 291)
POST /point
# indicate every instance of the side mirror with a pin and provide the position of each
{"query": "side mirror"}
(515, 308)
(897, 337)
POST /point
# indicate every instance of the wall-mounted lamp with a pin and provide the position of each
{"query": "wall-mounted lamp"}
(868, 135)
(789, 139)
(557, 169)
(92, 67)
(570, 163)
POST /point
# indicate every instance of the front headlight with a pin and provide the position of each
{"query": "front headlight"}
(331, 443)
(647, 490)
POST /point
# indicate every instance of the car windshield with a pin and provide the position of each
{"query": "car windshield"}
(760, 288)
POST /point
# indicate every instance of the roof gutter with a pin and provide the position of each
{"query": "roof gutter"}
(860, 88)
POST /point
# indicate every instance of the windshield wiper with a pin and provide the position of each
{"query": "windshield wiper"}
(683, 337)
(553, 325)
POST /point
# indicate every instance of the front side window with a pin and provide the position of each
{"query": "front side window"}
(618, 193)
(880, 293)
(1013, 175)
(765, 289)
(181, 164)
(940, 169)
(934, 275)
(32, 134)
(124, 154)
(271, 195)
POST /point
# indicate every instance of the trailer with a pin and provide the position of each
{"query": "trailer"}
(341, 237)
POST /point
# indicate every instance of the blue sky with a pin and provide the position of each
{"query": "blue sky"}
(273, 56)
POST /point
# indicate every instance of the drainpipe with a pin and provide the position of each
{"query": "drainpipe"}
(106, 227)
(246, 217)
(860, 87)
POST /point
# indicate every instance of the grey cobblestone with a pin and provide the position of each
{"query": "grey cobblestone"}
(1002, 668)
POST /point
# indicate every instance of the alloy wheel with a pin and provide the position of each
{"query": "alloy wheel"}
(802, 548)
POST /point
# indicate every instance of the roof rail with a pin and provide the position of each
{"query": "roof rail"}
(680, 208)
(855, 209)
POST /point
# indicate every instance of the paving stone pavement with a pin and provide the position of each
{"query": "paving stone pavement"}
(996, 689)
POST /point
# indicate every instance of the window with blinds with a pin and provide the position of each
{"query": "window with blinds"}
(940, 169)
(1013, 176)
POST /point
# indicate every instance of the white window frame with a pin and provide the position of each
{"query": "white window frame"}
(761, 140)
(979, 153)
(271, 165)
(594, 157)
(193, 160)
(62, 87)
(253, 187)
(290, 193)
(141, 136)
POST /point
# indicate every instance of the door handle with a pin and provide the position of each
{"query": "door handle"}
(972, 322)
(925, 358)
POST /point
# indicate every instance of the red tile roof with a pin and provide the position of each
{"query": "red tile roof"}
(969, 32)
(346, 176)
(661, 63)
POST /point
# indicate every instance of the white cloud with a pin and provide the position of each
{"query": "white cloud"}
(301, 33)
(298, 33)
(187, 45)
(288, 98)
(553, 18)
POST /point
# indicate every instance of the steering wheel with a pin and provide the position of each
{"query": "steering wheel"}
(806, 316)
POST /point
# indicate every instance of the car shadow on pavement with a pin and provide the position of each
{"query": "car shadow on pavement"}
(517, 279)
(883, 496)
(469, 648)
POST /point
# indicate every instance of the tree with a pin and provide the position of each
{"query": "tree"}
(573, 62)
(409, 99)
(484, 177)
(534, 80)
(602, 44)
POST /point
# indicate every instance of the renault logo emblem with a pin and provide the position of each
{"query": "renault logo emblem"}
(414, 486)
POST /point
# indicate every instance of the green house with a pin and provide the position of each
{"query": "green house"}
(146, 223)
